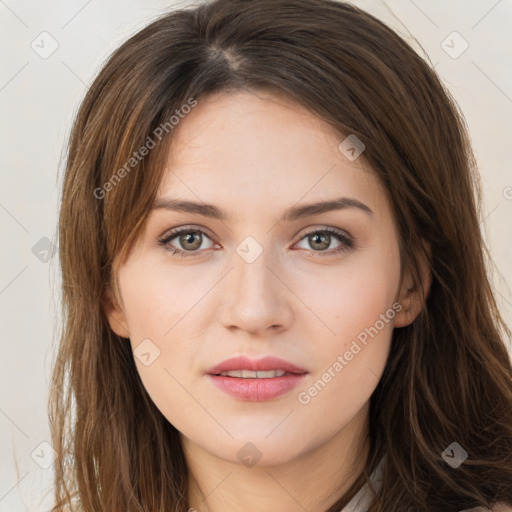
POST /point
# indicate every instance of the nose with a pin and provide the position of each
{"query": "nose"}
(256, 299)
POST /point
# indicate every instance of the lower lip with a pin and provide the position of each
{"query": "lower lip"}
(257, 390)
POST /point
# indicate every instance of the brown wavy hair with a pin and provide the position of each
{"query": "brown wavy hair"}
(448, 377)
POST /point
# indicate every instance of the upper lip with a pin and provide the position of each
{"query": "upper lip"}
(263, 364)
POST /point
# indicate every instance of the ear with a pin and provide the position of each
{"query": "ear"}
(411, 297)
(115, 315)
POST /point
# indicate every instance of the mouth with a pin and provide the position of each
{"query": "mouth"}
(249, 374)
(256, 380)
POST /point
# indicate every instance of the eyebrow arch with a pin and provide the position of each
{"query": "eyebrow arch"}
(294, 213)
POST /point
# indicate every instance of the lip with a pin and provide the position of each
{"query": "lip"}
(263, 364)
(256, 390)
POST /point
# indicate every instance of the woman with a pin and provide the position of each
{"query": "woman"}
(274, 282)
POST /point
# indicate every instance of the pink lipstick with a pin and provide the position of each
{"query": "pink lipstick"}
(256, 380)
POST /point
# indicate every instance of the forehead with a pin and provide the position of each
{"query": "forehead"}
(248, 149)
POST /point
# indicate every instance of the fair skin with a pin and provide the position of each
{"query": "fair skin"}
(256, 155)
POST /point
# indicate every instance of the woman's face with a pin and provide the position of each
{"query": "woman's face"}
(265, 280)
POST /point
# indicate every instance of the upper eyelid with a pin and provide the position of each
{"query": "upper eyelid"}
(170, 234)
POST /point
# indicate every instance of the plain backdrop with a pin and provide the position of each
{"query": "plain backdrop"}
(50, 52)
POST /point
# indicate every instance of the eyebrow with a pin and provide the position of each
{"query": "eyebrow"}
(294, 213)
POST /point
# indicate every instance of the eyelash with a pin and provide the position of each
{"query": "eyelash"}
(346, 242)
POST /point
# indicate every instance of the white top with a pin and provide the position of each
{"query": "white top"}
(361, 501)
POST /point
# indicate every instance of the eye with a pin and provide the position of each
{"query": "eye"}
(190, 239)
(320, 240)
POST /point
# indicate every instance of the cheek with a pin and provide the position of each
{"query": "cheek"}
(356, 304)
(164, 308)
(350, 362)
(158, 299)
(351, 297)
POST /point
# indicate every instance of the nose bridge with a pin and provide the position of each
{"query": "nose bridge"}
(255, 299)
(251, 277)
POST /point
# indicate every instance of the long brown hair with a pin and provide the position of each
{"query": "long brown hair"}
(448, 377)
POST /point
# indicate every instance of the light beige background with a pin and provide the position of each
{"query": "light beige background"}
(38, 98)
